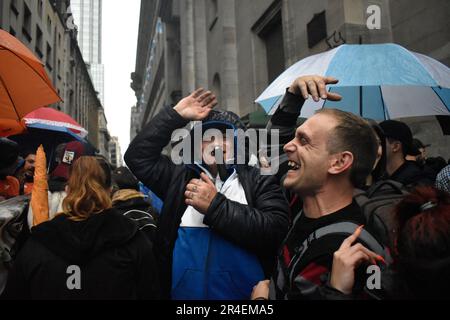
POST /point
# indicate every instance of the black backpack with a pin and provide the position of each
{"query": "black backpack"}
(145, 222)
(377, 205)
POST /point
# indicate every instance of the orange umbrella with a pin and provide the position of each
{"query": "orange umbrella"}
(39, 195)
(24, 84)
(10, 127)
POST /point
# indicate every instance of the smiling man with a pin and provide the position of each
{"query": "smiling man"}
(221, 224)
(331, 153)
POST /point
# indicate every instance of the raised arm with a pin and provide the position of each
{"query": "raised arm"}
(144, 156)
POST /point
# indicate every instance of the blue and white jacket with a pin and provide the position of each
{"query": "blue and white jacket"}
(207, 266)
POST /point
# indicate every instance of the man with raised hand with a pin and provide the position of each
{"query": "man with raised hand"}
(330, 154)
(221, 223)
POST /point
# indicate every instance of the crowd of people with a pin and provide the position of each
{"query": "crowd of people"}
(353, 196)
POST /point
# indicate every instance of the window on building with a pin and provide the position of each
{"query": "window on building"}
(26, 29)
(49, 25)
(59, 40)
(39, 42)
(317, 29)
(14, 7)
(272, 35)
(40, 7)
(49, 57)
(59, 69)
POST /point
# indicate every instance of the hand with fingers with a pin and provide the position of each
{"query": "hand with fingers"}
(200, 193)
(197, 106)
(314, 86)
(347, 259)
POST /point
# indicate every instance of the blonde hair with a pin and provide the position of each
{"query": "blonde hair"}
(88, 192)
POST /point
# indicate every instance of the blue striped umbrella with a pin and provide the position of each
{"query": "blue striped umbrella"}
(378, 81)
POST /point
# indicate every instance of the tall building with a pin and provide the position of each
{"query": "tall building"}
(115, 153)
(237, 48)
(88, 19)
(135, 122)
(44, 27)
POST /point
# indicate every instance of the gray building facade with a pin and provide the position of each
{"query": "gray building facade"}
(115, 153)
(238, 47)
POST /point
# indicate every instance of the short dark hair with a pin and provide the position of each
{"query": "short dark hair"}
(380, 170)
(353, 134)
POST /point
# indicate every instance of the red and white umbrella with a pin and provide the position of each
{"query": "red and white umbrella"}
(53, 120)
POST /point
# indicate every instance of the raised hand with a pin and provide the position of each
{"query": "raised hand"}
(314, 86)
(197, 106)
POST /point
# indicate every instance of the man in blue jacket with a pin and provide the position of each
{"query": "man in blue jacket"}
(220, 226)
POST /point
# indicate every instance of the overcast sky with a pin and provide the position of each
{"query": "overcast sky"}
(120, 31)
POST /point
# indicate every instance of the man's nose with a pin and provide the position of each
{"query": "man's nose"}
(289, 147)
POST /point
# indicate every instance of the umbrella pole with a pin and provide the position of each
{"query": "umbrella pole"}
(51, 155)
(361, 101)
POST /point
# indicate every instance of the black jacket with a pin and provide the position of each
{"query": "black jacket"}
(258, 227)
(410, 174)
(115, 261)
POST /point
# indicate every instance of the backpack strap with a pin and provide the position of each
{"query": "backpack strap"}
(395, 188)
(341, 228)
(144, 220)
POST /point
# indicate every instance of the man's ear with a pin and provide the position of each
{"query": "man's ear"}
(340, 162)
(397, 146)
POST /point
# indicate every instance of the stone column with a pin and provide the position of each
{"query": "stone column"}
(230, 79)
(187, 46)
(201, 52)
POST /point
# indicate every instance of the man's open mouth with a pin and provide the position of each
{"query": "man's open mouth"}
(293, 166)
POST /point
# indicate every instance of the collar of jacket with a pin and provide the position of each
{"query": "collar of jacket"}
(126, 194)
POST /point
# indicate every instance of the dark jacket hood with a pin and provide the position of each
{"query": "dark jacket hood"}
(79, 242)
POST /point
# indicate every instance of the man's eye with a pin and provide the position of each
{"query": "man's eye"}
(303, 141)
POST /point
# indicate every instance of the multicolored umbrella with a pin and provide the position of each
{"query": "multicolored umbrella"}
(50, 128)
(53, 120)
(379, 81)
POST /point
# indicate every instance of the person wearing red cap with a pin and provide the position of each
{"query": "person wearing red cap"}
(58, 178)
